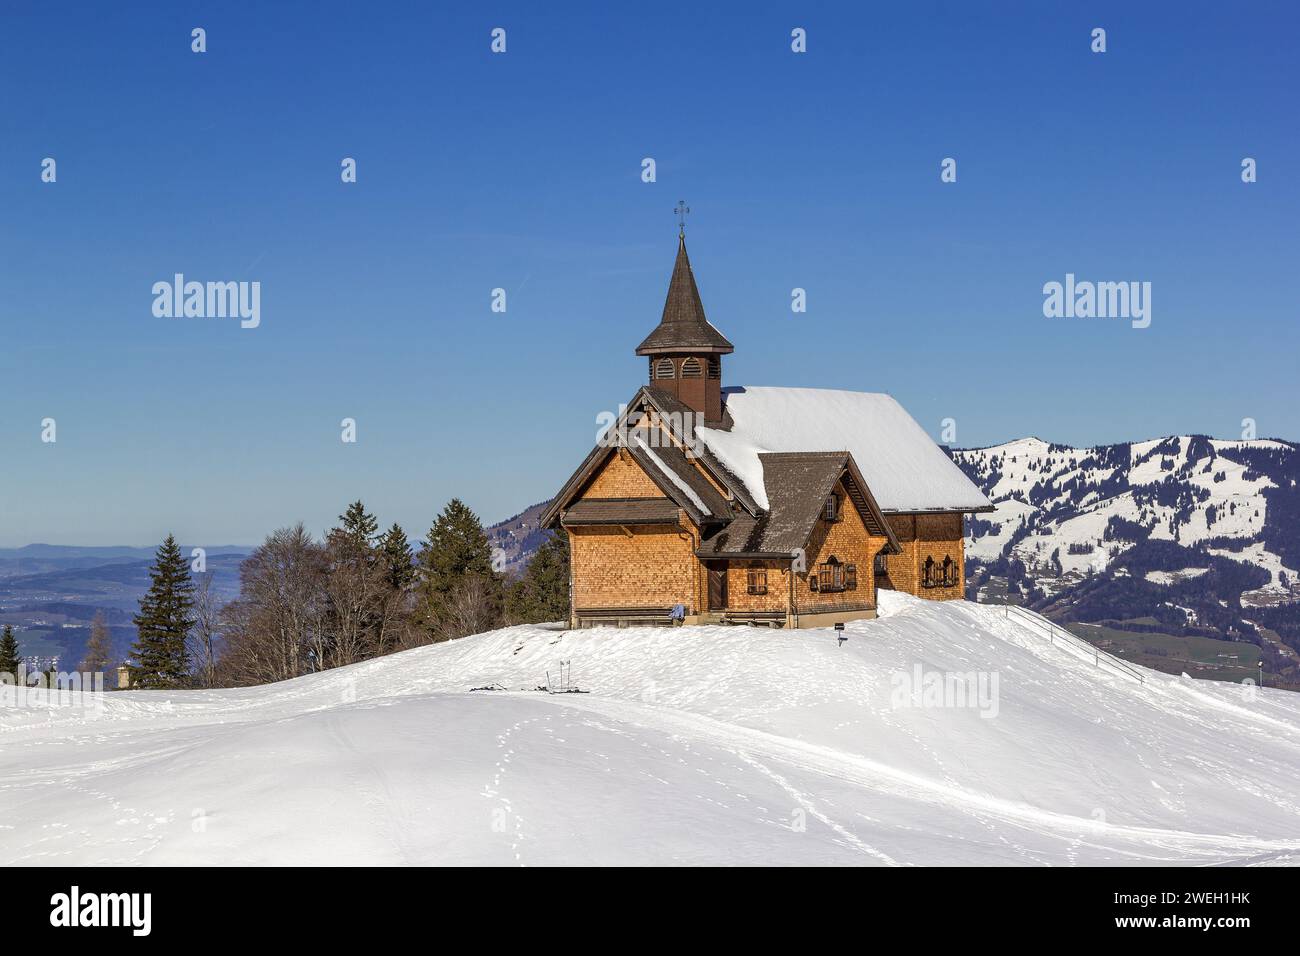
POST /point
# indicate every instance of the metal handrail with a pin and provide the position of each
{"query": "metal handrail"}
(1053, 629)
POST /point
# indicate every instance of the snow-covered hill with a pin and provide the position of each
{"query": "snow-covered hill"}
(694, 745)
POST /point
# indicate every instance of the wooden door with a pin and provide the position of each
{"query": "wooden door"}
(717, 587)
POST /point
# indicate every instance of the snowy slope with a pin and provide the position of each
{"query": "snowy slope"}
(695, 745)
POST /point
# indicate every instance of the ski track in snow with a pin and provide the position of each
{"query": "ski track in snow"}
(694, 746)
(870, 775)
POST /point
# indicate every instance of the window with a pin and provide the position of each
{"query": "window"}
(715, 367)
(663, 368)
(831, 510)
(881, 566)
(691, 369)
(936, 575)
(850, 577)
(832, 576)
(757, 581)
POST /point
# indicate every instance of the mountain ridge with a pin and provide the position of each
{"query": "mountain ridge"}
(1185, 536)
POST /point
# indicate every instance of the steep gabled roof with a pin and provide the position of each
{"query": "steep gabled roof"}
(663, 461)
(665, 464)
(684, 421)
(905, 469)
(798, 485)
(683, 327)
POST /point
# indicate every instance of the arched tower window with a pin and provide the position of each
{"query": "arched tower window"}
(691, 368)
(663, 368)
(714, 368)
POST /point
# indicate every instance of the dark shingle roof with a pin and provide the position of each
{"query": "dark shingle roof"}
(623, 511)
(683, 327)
(642, 444)
(685, 421)
(797, 485)
(743, 535)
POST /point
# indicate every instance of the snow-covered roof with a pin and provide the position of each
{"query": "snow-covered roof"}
(902, 465)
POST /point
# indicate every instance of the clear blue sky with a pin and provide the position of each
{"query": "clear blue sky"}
(522, 171)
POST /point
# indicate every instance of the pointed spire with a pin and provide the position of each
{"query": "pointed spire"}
(683, 327)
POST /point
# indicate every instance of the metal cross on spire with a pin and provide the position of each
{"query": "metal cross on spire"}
(682, 210)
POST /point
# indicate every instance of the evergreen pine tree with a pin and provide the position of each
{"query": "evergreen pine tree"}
(456, 551)
(161, 656)
(357, 528)
(542, 594)
(9, 659)
(354, 588)
(99, 648)
(398, 559)
(397, 573)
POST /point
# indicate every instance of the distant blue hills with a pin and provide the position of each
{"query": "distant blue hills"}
(50, 593)
(37, 558)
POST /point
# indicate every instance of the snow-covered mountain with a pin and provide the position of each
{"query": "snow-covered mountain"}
(1194, 532)
(942, 733)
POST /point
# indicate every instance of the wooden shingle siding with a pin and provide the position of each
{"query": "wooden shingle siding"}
(621, 478)
(924, 536)
(650, 566)
(777, 597)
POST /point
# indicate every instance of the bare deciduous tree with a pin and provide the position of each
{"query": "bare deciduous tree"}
(356, 589)
(206, 626)
(99, 648)
(306, 606)
(473, 606)
(275, 630)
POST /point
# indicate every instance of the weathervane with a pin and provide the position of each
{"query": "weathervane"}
(681, 210)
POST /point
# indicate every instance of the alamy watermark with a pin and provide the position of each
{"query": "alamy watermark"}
(208, 300)
(613, 430)
(127, 910)
(1098, 300)
(939, 690)
(46, 689)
